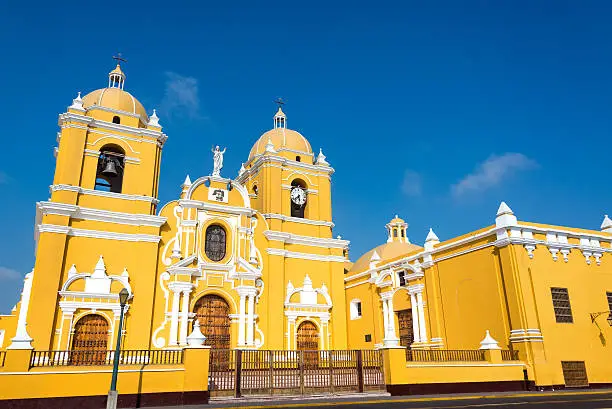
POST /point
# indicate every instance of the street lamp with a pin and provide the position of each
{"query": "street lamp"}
(594, 316)
(111, 401)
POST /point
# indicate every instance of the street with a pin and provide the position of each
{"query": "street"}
(540, 400)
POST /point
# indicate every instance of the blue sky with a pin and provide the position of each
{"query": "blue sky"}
(433, 110)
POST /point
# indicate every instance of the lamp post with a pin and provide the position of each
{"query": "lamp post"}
(111, 401)
(594, 316)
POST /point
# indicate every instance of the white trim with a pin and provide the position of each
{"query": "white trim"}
(346, 287)
(95, 123)
(97, 234)
(290, 238)
(85, 213)
(304, 256)
(433, 365)
(92, 192)
(297, 220)
(195, 204)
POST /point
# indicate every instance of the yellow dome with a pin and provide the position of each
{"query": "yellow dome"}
(386, 252)
(282, 138)
(117, 99)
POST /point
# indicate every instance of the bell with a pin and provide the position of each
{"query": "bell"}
(110, 169)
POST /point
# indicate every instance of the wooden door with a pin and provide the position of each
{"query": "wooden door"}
(406, 332)
(90, 341)
(213, 313)
(308, 340)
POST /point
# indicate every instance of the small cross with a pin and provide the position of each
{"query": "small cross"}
(279, 102)
(119, 59)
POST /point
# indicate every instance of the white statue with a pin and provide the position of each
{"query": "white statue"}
(217, 160)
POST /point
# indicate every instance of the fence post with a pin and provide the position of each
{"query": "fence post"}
(271, 369)
(237, 391)
(360, 370)
(301, 364)
(331, 370)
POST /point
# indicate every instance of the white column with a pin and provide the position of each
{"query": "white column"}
(241, 320)
(391, 318)
(385, 319)
(22, 340)
(174, 317)
(251, 320)
(415, 318)
(422, 327)
(184, 317)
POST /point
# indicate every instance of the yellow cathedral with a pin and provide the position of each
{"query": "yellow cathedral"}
(253, 263)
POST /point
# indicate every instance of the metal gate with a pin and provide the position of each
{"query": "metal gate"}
(249, 372)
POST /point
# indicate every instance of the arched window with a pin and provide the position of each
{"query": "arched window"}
(215, 242)
(255, 190)
(298, 198)
(394, 232)
(298, 159)
(109, 175)
(116, 120)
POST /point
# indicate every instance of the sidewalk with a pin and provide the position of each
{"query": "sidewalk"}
(277, 402)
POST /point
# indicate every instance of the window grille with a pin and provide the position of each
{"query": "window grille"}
(561, 305)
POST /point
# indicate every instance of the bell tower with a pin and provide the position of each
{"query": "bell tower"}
(101, 212)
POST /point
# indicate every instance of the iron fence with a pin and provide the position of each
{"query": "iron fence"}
(509, 355)
(93, 358)
(265, 372)
(444, 355)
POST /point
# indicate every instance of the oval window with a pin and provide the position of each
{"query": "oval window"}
(215, 242)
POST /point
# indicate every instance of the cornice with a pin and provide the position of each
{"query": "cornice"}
(304, 256)
(91, 192)
(284, 218)
(97, 234)
(96, 123)
(84, 213)
(290, 238)
(196, 204)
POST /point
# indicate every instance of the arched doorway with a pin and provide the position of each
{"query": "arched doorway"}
(90, 340)
(308, 340)
(213, 314)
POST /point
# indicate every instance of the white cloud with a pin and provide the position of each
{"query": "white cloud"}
(181, 96)
(9, 274)
(493, 171)
(411, 185)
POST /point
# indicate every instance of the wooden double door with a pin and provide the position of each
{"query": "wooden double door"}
(406, 331)
(213, 312)
(90, 341)
(308, 341)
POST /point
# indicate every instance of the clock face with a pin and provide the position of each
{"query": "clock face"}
(298, 196)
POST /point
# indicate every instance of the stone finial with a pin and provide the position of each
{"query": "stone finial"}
(321, 158)
(77, 103)
(100, 269)
(270, 146)
(242, 170)
(154, 119)
(186, 185)
(307, 283)
(73, 271)
(374, 259)
(125, 273)
(290, 287)
(431, 240)
(488, 342)
(606, 225)
(505, 216)
(196, 338)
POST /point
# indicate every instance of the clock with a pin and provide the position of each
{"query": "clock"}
(298, 196)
